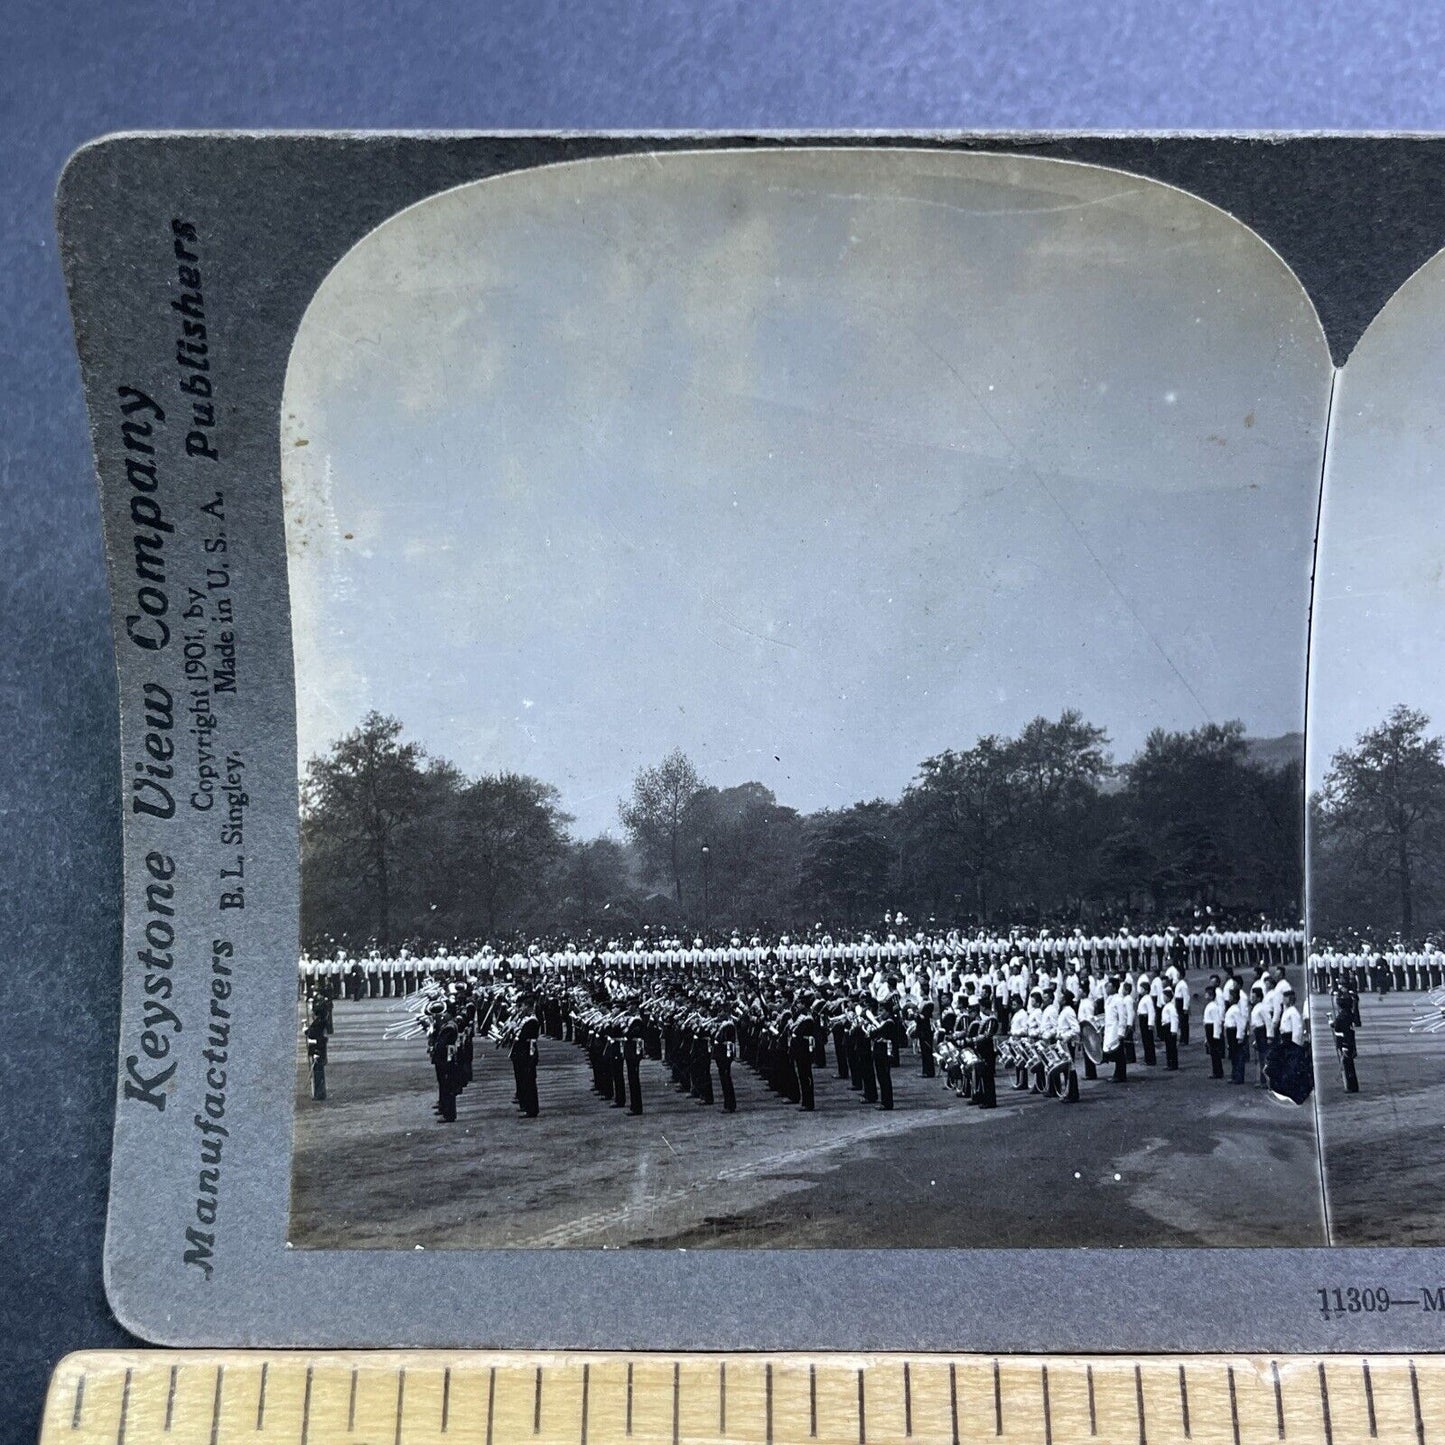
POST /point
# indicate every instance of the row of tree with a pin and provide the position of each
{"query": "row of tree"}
(1377, 832)
(399, 846)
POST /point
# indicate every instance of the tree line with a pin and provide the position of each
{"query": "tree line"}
(1377, 832)
(399, 846)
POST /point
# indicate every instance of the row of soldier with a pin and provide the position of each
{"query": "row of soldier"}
(375, 973)
(1365, 966)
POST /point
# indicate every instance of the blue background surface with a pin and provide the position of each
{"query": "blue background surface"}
(71, 71)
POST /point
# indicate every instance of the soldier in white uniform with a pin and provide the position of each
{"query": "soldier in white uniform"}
(1236, 1037)
(1117, 1009)
(1182, 1001)
(1260, 1028)
(1169, 1026)
(1066, 1031)
(1214, 1032)
(1147, 1013)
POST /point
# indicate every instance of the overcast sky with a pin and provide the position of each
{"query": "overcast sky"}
(1379, 635)
(811, 463)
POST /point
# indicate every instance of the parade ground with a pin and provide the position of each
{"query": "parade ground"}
(1384, 1147)
(1169, 1159)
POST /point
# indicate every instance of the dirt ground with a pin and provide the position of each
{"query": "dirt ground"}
(1169, 1159)
(1385, 1146)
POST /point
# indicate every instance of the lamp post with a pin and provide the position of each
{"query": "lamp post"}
(704, 885)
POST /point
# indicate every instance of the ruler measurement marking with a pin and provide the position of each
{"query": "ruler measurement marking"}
(1297, 1420)
(306, 1408)
(216, 1404)
(125, 1409)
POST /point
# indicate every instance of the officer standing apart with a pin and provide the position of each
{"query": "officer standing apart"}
(316, 1032)
(444, 1041)
(1343, 1023)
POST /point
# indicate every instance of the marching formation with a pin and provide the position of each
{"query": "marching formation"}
(1348, 966)
(1364, 965)
(1034, 1004)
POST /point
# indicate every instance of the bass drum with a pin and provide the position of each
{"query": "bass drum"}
(1289, 1074)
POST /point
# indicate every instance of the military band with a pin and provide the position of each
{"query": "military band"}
(1042, 1005)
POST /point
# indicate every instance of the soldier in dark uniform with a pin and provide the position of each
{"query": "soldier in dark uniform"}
(840, 1037)
(860, 1055)
(635, 1044)
(784, 1076)
(444, 1041)
(1343, 1023)
(467, 1033)
(983, 1033)
(885, 1040)
(700, 1053)
(615, 1056)
(801, 1039)
(316, 1052)
(1382, 975)
(724, 1051)
(524, 1066)
(923, 1032)
(325, 1000)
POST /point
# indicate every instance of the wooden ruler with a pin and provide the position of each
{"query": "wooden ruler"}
(210, 1397)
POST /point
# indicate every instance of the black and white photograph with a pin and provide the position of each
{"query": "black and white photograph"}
(1377, 784)
(800, 693)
